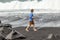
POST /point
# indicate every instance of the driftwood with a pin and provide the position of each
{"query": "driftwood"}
(8, 33)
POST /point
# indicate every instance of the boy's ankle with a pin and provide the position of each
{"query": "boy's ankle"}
(27, 29)
(35, 29)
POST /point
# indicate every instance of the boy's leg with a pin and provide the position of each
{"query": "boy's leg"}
(27, 28)
(29, 24)
(34, 28)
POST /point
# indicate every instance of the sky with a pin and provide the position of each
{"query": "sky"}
(28, 4)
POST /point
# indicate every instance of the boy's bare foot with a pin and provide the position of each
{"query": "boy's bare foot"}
(35, 29)
(27, 30)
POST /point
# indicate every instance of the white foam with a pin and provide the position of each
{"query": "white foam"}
(44, 4)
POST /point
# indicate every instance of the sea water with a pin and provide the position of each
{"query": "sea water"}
(17, 19)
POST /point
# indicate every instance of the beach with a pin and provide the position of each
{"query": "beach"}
(41, 34)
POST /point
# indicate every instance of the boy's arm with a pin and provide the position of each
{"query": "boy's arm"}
(32, 16)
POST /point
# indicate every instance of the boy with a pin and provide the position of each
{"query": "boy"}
(31, 21)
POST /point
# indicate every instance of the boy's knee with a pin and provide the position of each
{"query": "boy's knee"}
(28, 26)
(32, 25)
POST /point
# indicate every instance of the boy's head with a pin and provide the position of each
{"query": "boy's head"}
(32, 10)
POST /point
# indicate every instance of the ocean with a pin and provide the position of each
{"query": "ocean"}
(17, 19)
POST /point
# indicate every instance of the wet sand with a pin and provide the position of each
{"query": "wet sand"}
(41, 34)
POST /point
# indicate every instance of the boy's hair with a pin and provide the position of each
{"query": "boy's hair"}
(32, 10)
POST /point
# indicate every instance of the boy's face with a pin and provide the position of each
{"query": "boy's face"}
(32, 10)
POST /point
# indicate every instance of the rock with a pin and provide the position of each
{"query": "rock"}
(7, 25)
(51, 37)
(1, 25)
(1, 38)
(7, 32)
(0, 21)
(58, 37)
(14, 35)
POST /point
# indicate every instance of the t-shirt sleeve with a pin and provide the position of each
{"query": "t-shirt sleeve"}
(30, 15)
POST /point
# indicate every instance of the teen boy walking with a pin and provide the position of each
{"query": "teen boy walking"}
(31, 21)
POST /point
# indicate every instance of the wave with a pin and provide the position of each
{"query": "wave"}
(41, 20)
(44, 4)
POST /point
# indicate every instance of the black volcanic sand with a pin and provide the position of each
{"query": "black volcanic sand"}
(41, 34)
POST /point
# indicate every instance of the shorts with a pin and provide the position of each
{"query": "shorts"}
(31, 23)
